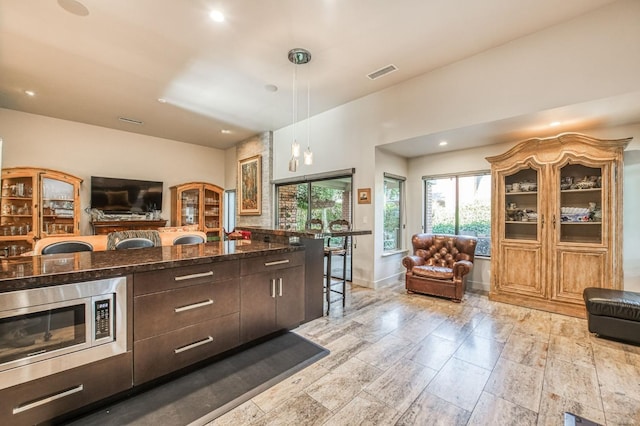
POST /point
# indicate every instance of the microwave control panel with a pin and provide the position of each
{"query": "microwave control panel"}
(103, 319)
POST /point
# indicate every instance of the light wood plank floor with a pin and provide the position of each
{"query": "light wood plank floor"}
(410, 359)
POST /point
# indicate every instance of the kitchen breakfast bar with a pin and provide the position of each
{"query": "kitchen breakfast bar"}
(78, 328)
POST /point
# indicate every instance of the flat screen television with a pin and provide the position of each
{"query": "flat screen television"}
(125, 196)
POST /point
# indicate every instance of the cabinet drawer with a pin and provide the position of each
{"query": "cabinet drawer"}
(167, 279)
(163, 354)
(270, 262)
(158, 313)
(52, 396)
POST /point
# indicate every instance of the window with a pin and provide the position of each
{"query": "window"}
(460, 204)
(392, 221)
(229, 222)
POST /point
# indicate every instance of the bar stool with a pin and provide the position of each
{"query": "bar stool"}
(71, 246)
(134, 243)
(188, 239)
(340, 250)
(119, 240)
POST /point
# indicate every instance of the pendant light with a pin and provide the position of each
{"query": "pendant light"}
(308, 155)
(297, 57)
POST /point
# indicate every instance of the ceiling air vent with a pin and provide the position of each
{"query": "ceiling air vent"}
(382, 71)
(130, 121)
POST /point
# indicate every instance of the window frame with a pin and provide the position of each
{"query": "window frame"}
(456, 176)
(400, 180)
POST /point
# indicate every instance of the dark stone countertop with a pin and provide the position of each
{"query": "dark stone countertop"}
(319, 234)
(53, 269)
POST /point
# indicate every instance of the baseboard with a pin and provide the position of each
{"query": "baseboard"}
(478, 285)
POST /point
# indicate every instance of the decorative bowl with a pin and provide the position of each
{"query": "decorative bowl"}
(585, 184)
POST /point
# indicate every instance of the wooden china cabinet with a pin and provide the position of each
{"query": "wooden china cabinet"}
(36, 203)
(198, 203)
(556, 221)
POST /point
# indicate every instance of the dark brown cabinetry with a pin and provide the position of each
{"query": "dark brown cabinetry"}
(272, 294)
(41, 400)
(184, 315)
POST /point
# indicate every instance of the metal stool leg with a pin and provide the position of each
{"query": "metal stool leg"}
(344, 279)
(328, 282)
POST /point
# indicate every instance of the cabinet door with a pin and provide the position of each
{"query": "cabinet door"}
(576, 269)
(520, 270)
(190, 209)
(212, 211)
(580, 214)
(521, 204)
(290, 297)
(18, 220)
(580, 252)
(257, 306)
(59, 205)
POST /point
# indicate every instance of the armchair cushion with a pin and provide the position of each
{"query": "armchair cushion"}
(439, 264)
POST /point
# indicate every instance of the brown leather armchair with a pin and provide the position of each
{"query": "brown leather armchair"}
(439, 264)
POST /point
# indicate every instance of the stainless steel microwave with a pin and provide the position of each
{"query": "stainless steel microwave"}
(51, 329)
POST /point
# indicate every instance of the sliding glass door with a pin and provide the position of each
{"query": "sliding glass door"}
(324, 199)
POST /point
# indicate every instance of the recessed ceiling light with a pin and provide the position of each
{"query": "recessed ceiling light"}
(162, 100)
(555, 123)
(225, 131)
(443, 143)
(216, 15)
(29, 93)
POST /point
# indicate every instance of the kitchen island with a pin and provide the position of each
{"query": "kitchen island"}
(173, 307)
(313, 241)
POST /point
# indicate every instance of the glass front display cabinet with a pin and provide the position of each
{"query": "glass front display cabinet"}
(556, 221)
(199, 205)
(36, 203)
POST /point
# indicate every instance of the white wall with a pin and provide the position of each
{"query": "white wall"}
(388, 268)
(591, 57)
(84, 151)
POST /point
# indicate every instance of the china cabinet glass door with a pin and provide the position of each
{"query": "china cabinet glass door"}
(190, 200)
(580, 214)
(58, 209)
(521, 205)
(211, 209)
(17, 215)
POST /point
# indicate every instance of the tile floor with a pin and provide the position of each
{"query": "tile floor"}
(409, 359)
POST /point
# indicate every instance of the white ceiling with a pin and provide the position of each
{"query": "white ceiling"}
(125, 54)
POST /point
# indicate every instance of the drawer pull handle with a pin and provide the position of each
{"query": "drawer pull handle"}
(192, 276)
(193, 306)
(276, 262)
(194, 345)
(39, 402)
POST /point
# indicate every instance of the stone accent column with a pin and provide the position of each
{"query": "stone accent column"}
(261, 144)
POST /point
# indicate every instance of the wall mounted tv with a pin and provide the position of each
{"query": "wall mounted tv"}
(125, 196)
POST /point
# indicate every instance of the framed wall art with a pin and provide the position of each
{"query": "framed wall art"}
(364, 196)
(250, 186)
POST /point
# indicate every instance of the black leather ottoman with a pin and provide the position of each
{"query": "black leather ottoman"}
(613, 313)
